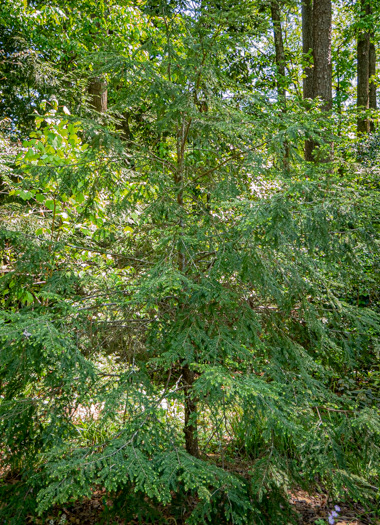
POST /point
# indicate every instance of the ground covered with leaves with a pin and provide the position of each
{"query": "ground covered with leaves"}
(307, 509)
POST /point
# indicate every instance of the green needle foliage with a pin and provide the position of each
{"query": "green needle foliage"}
(179, 301)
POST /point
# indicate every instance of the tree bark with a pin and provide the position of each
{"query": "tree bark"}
(372, 74)
(322, 76)
(97, 90)
(307, 49)
(372, 85)
(363, 48)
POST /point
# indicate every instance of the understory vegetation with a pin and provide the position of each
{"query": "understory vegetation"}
(189, 280)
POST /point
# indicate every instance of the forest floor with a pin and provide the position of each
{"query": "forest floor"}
(311, 509)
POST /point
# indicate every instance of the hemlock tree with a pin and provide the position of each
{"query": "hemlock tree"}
(200, 303)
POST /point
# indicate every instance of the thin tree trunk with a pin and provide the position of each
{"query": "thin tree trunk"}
(279, 48)
(97, 90)
(190, 428)
(307, 49)
(124, 128)
(280, 63)
(188, 379)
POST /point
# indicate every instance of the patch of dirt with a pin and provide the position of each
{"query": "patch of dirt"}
(317, 507)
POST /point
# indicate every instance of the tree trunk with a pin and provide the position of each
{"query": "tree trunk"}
(322, 76)
(307, 49)
(280, 63)
(123, 127)
(98, 92)
(372, 85)
(363, 47)
(191, 426)
(190, 429)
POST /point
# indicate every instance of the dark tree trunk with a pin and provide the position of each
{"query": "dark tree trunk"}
(372, 85)
(188, 379)
(366, 69)
(322, 75)
(363, 46)
(280, 63)
(190, 429)
(363, 58)
(97, 90)
(307, 49)
(123, 126)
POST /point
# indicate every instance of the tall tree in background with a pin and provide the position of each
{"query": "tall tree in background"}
(366, 66)
(316, 31)
(363, 72)
(322, 75)
(372, 74)
(97, 90)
